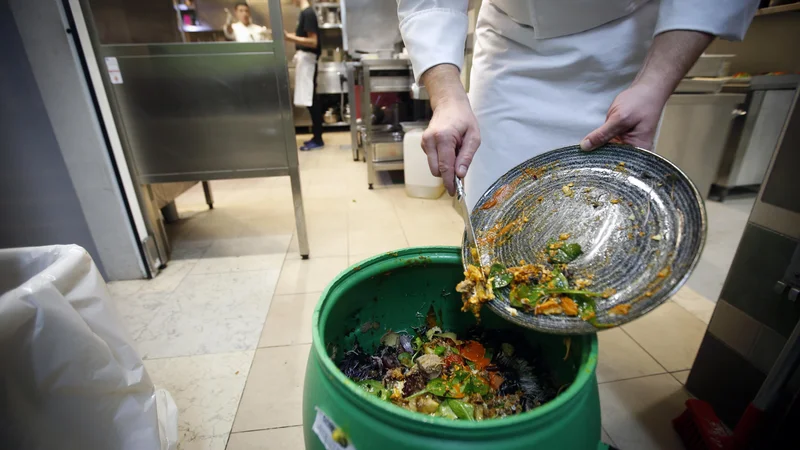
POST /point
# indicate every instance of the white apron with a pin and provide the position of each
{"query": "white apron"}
(304, 65)
(533, 95)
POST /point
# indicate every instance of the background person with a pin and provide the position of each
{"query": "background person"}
(306, 40)
(244, 30)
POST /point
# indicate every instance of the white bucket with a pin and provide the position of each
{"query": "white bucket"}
(419, 181)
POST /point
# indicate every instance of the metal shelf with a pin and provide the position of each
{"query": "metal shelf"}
(388, 165)
(328, 5)
(335, 124)
(330, 26)
(778, 9)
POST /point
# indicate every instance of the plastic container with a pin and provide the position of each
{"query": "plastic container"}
(395, 291)
(419, 181)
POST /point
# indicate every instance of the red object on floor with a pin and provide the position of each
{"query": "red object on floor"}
(701, 429)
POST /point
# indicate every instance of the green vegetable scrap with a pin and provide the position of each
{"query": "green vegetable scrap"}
(375, 388)
(546, 288)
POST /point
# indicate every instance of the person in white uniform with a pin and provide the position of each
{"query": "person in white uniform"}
(244, 30)
(545, 72)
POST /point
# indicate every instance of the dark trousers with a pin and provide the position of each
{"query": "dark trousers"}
(316, 112)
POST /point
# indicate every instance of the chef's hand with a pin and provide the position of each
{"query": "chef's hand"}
(634, 114)
(632, 119)
(452, 137)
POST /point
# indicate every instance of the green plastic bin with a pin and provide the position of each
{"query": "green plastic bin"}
(395, 291)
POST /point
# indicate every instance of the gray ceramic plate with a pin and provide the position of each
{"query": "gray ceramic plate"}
(640, 222)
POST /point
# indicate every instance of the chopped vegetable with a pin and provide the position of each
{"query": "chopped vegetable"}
(545, 288)
(375, 388)
(462, 410)
(499, 276)
(485, 375)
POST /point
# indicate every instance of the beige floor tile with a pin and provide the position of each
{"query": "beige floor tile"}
(289, 438)
(622, 358)
(260, 244)
(138, 310)
(124, 288)
(670, 334)
(210, 313)
(325, 242)
(273, 396)
(695, 303)
(435, 234)
(638, 413)
(207, 390)
(246, 263)
(353, 259)
(170, 277)
(311, 275)
(359, 221)
(370, 200)
(289, 320)
(606, 438)
(376, 241)
(681, 376)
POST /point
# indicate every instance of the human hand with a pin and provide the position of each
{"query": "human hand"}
(632, 118)
(452, 137)
(451, 140)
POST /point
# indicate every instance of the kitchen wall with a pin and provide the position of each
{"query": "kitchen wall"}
(56, 178)
(38, 204)
(769, 46)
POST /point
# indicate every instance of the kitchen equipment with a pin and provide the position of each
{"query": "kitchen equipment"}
(755, 133)
(694, 127)
(700, 428)
(346, 113)
(378, 76)
(419, 183)
(640, 222)
(392, 291)
(330, 116)
(387, 146)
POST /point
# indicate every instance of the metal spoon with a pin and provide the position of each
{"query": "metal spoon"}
(470, 239)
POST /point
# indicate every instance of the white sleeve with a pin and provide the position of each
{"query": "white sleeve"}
(727, 19)
(434, 32)
(231, 35)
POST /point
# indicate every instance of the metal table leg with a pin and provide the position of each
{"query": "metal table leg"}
(366, 119)
(351, 101)
(299, 212)
(209, 195)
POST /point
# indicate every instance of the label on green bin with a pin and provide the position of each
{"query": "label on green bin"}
(331, 436)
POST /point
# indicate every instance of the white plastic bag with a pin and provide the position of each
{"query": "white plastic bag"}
(70, 377)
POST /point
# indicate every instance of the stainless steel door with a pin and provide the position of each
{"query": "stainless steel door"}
(201, 111)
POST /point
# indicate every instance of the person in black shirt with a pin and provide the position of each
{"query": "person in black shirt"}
(307, 43)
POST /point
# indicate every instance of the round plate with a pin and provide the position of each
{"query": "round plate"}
(640, 222)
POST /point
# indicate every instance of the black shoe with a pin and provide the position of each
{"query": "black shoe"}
(312, 145)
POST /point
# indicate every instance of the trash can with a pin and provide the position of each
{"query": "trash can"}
(392, 291)
(71, 378)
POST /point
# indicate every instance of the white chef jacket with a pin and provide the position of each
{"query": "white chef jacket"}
(544, 72)
(247, 33)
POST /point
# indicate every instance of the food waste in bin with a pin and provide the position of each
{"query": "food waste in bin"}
(484, 374)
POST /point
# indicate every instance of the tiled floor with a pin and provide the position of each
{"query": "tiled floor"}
(226, 327)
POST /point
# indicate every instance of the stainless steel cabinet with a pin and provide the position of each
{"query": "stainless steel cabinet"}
(693, 132)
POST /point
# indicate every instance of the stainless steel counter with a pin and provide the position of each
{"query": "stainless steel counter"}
(203, 111)
(382, 75)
